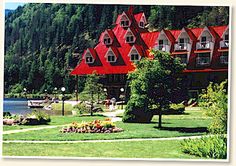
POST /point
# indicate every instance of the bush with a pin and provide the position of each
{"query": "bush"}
(209, 147)
(175, 109)
(36, 118)
(81, 108)
(136, 114)
(215, 102)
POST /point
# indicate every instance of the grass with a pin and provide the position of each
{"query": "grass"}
(137, 149)
(57, 108)
(173, 126)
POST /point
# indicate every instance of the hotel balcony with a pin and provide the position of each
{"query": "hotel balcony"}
(182, 47)
(163, 47)
(205, 45)
(224, 44)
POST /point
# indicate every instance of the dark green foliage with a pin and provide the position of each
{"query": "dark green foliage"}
(208, 147)
(154, 85)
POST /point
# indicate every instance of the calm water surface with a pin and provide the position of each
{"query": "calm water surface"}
(16, 106)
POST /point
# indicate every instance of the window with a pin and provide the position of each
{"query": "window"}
(111, 57)
(226, 37)
(203, 40)
(183, 43)
(134, 57)
(124, 22)
(203, 59)
(88, 58)
(226, 40)
(130, 39)
(224, 58)
(107, 40)
(141, 24)
(182, 57)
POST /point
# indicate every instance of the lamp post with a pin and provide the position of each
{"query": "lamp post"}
(122, 91)
(63, 89)
(25, 91)
(55, 92)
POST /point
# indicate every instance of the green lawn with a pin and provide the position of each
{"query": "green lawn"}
(139, 149)
(192, 123)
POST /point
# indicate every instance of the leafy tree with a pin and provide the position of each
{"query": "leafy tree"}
(92, 87)
(215, 101)
(154, 85)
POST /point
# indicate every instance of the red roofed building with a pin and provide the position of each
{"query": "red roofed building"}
(203, 50)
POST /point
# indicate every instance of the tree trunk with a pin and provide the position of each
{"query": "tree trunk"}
(91, 111)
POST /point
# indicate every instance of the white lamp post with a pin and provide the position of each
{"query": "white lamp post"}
(25, 91)
(63, 89)
(122, 91)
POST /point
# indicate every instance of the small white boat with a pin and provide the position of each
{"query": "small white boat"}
(35, 104)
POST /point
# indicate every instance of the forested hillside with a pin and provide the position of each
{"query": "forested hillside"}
(41, 39)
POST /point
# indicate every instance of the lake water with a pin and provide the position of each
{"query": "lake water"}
(16, 106)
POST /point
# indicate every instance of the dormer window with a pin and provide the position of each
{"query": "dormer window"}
(107, 40)
(88, 58)
(111, 57)
(205, 40)
(129, 37)
(183, 43)
(224, 44)
(124, 22)
(134, 55)
(141, 24)
(226, 39)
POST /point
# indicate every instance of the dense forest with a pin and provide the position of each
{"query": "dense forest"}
(43, 42)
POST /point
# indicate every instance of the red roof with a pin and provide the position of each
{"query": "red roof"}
(150, 38)
(175, 33)
(220, 29)
(144, 41)
(197, 31)
(138, 16)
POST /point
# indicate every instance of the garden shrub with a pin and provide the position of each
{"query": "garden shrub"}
(36, 118)
(209, 147)
(81, 108)
(175, 109)
(135, 113)
(215, 101)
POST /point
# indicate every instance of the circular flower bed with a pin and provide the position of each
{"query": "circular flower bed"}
(96, 126)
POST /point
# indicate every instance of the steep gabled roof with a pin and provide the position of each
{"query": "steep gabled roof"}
(213, 32)
(139, 16)
(175, 33)
(150, 38)
(196, 31)
(220, 30)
